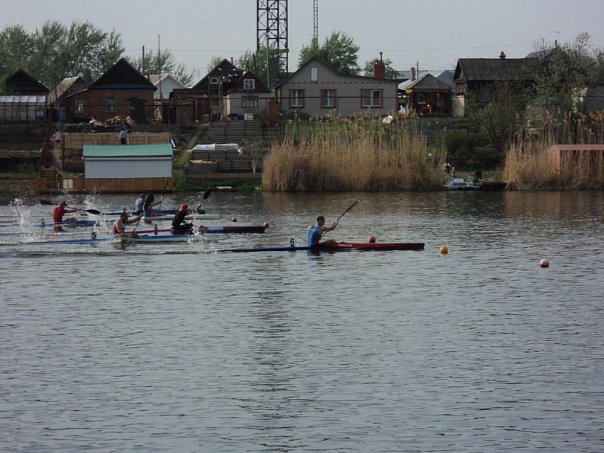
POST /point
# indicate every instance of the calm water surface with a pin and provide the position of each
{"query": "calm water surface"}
(176, 348)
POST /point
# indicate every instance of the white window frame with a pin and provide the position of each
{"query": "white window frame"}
(249, 84)
(78, 107)
(371, 98)
(296, 99)
(249, 102)
(314, 74)
(328, 99)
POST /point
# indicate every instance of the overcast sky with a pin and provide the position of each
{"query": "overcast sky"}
(431, 33)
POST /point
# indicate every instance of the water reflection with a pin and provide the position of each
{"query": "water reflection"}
(176, 348)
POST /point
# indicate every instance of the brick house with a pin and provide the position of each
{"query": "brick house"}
(205, 100)
(121, 91)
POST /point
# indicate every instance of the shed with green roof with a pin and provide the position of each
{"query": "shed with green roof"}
(127, 168)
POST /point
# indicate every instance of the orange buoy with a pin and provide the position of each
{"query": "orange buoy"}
(371, 239)
(444, 250)
(544, 263)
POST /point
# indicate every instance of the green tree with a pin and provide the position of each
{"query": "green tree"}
(163, 62)
(15, 47)
(562, 73)
(391, 73)
(339, 52)
(56, 51)
(501, 118)
(258, 61)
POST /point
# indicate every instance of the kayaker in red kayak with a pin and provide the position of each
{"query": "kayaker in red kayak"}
(315, 232)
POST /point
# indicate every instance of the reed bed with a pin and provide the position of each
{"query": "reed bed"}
(352, 155)
(530, 165)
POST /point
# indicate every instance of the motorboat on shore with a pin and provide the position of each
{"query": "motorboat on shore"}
(470, 183)
(454, 183)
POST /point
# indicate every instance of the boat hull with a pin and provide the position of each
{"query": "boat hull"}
(137, 238)
(227, 229)
(159, 218)
(74, 224)
(337, 247)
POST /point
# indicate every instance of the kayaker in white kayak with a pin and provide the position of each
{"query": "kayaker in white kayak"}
(179, 225)
(119, 226)
(150, 202)
(60, 210)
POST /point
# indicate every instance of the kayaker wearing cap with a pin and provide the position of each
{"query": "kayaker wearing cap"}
(179, 226)
(59, 211)
(119, 226)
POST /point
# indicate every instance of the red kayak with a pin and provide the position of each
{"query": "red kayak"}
(337, 247)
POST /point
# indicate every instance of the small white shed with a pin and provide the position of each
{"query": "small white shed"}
(128, 167)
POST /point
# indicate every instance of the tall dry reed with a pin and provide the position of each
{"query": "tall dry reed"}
(352, 155)
(531, 165)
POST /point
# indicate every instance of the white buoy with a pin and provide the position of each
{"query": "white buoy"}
(544, 263)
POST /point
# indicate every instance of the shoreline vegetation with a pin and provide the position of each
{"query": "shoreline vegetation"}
(366, 154)
(530, 165)
(358, 155)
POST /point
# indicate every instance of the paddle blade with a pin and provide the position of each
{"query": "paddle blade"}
(48, 202)
(207, 193)
(92, 211)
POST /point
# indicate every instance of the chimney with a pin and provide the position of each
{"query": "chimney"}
(413, 73)
(502, 55)
(379, 68)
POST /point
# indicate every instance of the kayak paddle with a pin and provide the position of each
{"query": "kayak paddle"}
(349, 208)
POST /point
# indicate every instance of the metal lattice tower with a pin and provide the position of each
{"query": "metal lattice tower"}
(315, 20)
(271, 28)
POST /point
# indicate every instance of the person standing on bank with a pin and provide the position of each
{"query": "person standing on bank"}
(123, 137)
(179, 226)
(315, 232)
(56, 137)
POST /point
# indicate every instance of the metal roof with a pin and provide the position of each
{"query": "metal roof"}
(494, 69)
(152, 150)
(16, 99)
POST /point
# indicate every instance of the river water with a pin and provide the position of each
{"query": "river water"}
(172, 347)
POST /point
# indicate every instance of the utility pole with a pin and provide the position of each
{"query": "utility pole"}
(315, 20)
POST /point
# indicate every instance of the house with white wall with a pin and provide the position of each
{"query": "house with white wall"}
(315, 89)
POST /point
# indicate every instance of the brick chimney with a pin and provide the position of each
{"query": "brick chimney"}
(379, 68)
